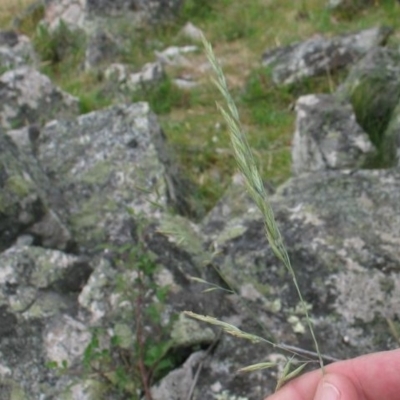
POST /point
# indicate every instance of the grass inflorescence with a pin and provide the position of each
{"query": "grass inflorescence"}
(255, 186)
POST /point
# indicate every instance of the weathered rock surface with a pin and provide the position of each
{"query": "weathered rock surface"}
(124, 81)
(29, 97)
(71, 12)
(319, 55)
(30, 289)
(24, 205)
(191, 31)
(106, 163)
(180, 381)
(391, 144)
(15, 50)
(341, 231)
(174, 55)
(101, 48)
(327, 136)
(37, 286)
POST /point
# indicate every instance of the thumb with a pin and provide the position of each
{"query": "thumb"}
(336, 387)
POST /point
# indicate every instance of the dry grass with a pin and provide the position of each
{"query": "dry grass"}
(11, 8)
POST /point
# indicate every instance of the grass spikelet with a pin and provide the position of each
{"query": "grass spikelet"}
(287, 375)
(228, 328)
(257, 367)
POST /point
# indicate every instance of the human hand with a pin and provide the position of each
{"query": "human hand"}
(371, 377)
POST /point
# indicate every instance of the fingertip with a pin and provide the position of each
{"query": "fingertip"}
(336, 387)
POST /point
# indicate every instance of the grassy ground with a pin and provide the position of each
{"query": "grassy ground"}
(240, 32)
(9, 8)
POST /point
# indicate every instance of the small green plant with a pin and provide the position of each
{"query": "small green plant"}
(197, 10)
(61, 368)
(93, 100)
(132, 359)
(163, 96)
(61, 45)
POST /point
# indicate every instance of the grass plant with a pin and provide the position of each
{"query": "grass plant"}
(255, 187)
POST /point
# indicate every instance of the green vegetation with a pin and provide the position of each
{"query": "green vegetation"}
(189, 117)
(172, 95)
(138, 353)
(62, 47)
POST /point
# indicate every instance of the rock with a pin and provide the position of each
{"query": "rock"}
(179, 382)
(83, 389)
(22, 363)
(117, 72)
(15, 50)
(151, 74)
(41, 279)
(103, 23)
(108, 26)
(65, 340)
(92, 14)
(189, 333)
(120, 170)
(36, 287)
(174, 55)
(96, 295)
(311, 210)
(152, 11)
(24, 203)
(231, 207)
(11, 389)
(71, 12)
(191, 31)
(327, 136)
(348, 5)
(101, 48)
(365, 251)
(28, 97)
(26, 138)
(318, 55)
(335, 3)
(10, 38)
(373, 88)
(391, 145)
(185, 83)
(341, 232)
(107, 163)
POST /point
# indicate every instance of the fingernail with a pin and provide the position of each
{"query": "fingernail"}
(327, 392)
